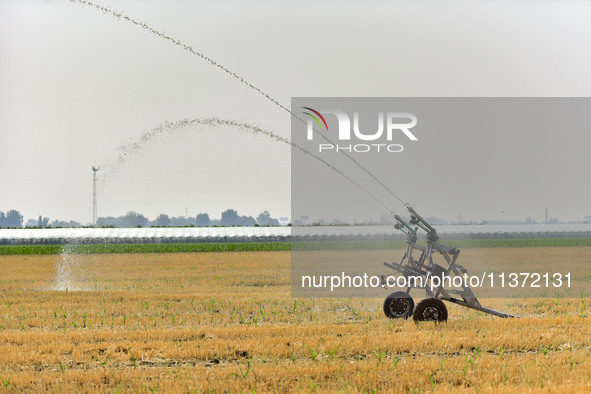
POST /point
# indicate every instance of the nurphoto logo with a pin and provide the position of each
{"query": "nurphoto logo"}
(390, 125)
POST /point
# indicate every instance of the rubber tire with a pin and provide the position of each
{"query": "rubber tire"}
(430, 309)
(399, 305)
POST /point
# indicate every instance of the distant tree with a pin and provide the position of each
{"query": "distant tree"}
(42, 222)
(230, 218)
(13, 218)
(247, 221)
(132, 219)
(106, 221)
(61, 223)
(55, 223)
(162, 220)
(31, 223)
(179, 221)
(202, 220)
(265, 219)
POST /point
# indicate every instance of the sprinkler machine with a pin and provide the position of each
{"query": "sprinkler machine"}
(400, 305)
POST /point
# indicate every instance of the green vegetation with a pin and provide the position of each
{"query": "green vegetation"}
(145, 248)
(276, 246)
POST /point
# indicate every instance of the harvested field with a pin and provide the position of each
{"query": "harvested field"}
(226, 322)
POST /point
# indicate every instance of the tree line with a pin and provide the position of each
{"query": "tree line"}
(230, 217)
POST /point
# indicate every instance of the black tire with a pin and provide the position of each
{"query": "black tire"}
(430, 309)
(399, 305)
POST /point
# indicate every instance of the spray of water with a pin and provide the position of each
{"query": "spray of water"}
(170, 127)
(72, 272)
(67, 272)
(190, 49)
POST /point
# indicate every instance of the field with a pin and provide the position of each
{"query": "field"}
(226, 322)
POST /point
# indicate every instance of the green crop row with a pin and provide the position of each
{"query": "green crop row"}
(144, 248)
(282, 246)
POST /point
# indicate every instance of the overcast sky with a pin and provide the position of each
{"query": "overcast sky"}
(76, 84)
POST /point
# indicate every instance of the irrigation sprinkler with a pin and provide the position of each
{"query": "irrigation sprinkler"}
(400, 304)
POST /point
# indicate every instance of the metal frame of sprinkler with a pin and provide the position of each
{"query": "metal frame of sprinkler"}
(400, 304)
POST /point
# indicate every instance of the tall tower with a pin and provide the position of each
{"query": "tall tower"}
(94, 171)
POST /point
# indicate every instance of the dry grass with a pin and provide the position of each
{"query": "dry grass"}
(226, 322)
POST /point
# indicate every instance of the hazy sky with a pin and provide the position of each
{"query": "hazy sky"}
(76, 84)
